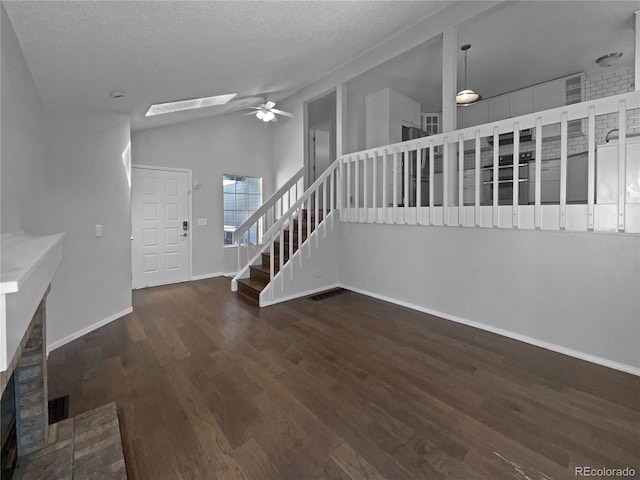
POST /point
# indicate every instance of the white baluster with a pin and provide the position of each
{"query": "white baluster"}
(563, 170)
(300, 223)
(349, 190)
(334, 175)
(496, 174)
(591, 166)
(365, 187)
(516, 174)
(431, 181)
(316, 215)
(460, 180)
(445, 182)
(478, 156)
(395, 185)
(309, 206)
(271, 260)
(385, 198)
(324, 207)
(291, 238)
(622, 163)
(419, 183)
(374, 177)
(357, 185)
(405, 200)
(538, 165)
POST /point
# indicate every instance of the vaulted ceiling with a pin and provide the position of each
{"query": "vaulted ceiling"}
(159, 51)
(155, 51)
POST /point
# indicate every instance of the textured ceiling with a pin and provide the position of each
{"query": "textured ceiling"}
(159, 51)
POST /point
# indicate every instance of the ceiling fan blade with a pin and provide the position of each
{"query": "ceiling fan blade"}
(269, 105)
(249, 113)
(274, 119)
(280, 112)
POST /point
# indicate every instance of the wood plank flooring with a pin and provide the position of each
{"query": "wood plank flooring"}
(209, 386)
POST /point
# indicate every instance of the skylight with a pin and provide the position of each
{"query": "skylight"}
(170, 107)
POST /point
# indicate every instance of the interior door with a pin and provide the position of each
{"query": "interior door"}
(160, 224)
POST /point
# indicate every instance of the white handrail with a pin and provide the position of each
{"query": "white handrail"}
(267, 212)
(276, 232)
(270, 202)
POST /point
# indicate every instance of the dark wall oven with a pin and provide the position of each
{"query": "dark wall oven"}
(505, 173)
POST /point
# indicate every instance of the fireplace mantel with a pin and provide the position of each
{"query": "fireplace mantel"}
(27, 267)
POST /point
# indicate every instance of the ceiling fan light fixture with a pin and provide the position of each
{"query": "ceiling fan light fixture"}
(268, 116)
(260, 114)
(171, 107)
(466, 96)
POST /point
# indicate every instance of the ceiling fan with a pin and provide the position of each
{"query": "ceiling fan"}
(267, 113)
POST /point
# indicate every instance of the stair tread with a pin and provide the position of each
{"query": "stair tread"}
(253, 283)
(260, 267)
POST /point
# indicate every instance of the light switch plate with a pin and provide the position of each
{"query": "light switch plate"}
(202, 221)
(98, 231)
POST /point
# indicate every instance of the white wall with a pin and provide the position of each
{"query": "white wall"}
(86, 184)
(62, 171)
(574, 290)
(210, 147)
(22, 168)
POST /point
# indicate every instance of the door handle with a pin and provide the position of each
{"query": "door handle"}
(184, 234)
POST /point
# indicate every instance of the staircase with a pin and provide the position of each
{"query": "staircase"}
(300, 225)
(259, 274)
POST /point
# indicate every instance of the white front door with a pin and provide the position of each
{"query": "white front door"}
(159, 208)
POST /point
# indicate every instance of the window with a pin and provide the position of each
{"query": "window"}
(242, 197)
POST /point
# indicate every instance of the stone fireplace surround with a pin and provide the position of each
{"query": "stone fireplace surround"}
(88, 445)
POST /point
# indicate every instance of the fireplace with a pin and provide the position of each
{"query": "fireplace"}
(25, 419)
(8, 431)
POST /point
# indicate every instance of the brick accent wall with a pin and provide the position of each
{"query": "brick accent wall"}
(600, 86)
(32, 414)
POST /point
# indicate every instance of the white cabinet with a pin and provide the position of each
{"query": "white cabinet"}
(386, 111)
(469, 186)
(438, 188)
(577, 179)
(550, 180)
(548, 95)
(498, 108)
(475, 114)
(521, 102)
(564, 91)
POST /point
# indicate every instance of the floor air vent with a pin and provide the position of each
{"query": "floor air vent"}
(58, 409)
(328, 294)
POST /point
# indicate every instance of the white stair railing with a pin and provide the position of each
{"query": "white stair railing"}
(319, 201)
(257, 225)
(380, 189)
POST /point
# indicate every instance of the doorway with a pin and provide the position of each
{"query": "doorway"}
(320, 135)
(160, 226)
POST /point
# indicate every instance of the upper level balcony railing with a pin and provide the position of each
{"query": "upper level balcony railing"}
(464, 178)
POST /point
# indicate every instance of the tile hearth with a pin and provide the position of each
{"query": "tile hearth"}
(87, 446)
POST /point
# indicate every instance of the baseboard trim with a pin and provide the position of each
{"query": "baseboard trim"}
(623, 367)
(88, 329)
(206, 275)
(299, 295)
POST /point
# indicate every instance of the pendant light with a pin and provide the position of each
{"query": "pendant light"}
(466, 96)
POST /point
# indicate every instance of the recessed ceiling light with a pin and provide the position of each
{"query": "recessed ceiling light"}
(609, 59)
(116, 94)
(170, 107)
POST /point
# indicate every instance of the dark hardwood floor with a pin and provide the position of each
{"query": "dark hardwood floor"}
(209, 386)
